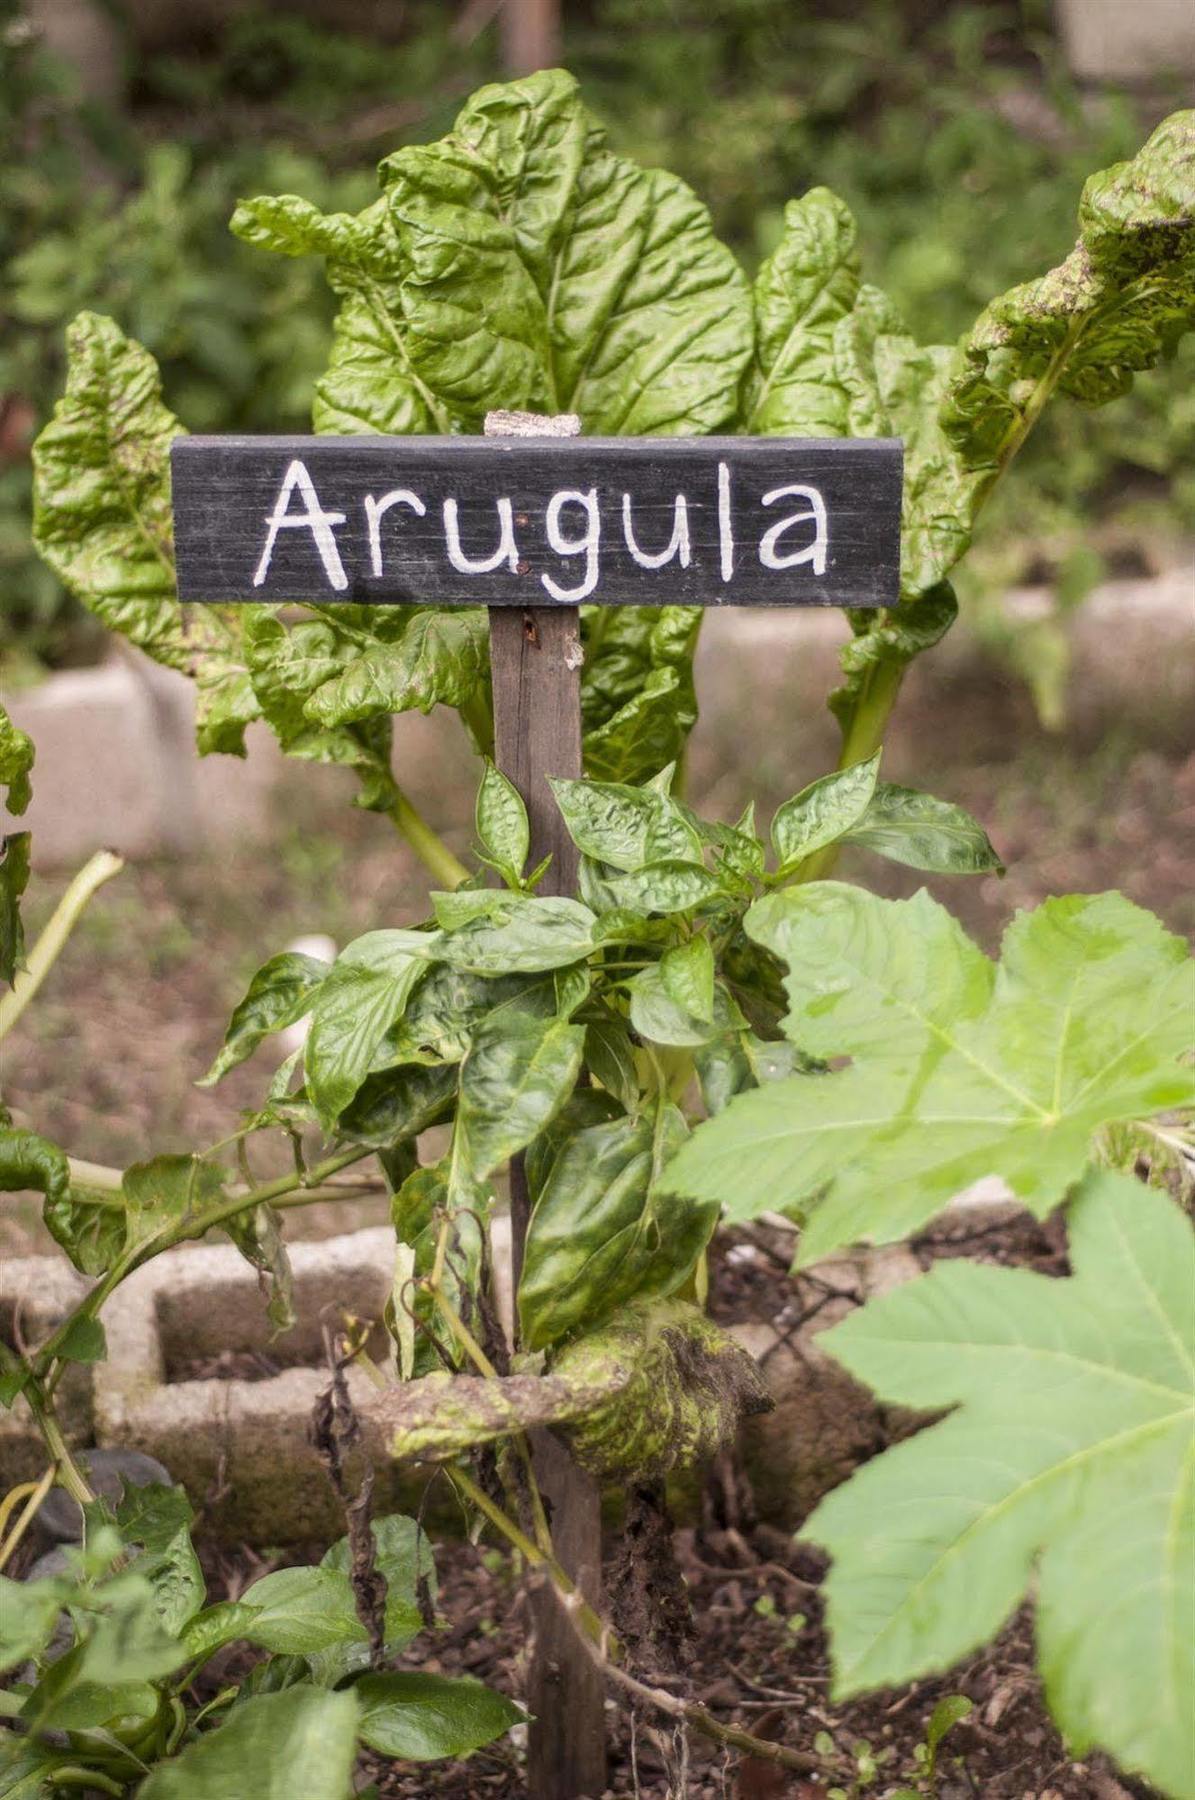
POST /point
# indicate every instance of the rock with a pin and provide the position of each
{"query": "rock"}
(108, 1472)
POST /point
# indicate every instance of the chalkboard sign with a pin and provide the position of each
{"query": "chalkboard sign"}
(484, 521)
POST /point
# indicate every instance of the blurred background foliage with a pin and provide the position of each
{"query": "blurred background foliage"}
(953, 131)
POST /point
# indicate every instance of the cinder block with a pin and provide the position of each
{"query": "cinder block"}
(1106, 40)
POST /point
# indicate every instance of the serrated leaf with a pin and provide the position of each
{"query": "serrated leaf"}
(421, 1718)
(270, 1747)
(358, 1001)
(960, 1070)
(501, 820)
(823, 812)
(278, 995)
(603, 1234)
(1071, 1449)
(922, 832)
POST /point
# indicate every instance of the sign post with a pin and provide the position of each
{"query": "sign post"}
(533, 521)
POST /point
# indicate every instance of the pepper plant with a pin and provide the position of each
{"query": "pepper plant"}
(666, 1046)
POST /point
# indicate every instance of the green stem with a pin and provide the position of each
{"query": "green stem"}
(428, 846)
(861, 738)
(101, 868)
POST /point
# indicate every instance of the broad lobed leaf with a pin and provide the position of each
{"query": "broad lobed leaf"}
(1072, 1450)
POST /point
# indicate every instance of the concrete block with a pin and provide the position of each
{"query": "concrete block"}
(1106, 40)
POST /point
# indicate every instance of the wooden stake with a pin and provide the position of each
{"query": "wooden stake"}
(535, 660)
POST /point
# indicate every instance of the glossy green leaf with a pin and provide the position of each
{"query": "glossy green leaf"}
(924, 833)
(16, 761)
(420, 1718)
(961, 1070)
(823, 812)
(270, 1747)
(397, 1104)
(658, 1017)
(610, 1059)
(1071, 1450)
(164, 1192)
(403, 1557)
(278, 995)
(687, 972)
(84, 1341)
(517, 1075)
(664, 887)
(502, 828)
(14, 879)
(626, 827)
(538, 934)
(28, 1161)
(358, 1001)
(101, 520)
(601, 1232)
(300, 1610)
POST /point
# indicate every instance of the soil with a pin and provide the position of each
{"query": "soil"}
(758, 1661)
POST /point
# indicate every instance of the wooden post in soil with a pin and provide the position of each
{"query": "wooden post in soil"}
(535, 660)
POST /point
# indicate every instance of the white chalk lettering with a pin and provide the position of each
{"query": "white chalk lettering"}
(375, 511)
(507, 551)
(725, 528)
(574, 546)
(678, 544)
(314, 519)
(815, 552)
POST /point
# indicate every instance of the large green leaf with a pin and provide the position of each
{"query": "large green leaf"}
(358, 1001)
(602, 1233)
(1117, 305)
(419, 1718)
(270, 1747)
(517, 1075)
(626, 827)
(638, 702)
(278, 995)
(527, 937)
(1072, 1454)
(101, 519)
(441, 658)
(545, 272)
(809, 283)
(960, 1070)
(924, 833)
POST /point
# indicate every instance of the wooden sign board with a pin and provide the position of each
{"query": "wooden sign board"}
(539, 522)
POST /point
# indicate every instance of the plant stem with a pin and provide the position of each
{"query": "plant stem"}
(34, 1493)
(428, 846)
(101, 868)
(68, 1472)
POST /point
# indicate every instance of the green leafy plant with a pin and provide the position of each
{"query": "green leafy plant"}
(109, 1664)
(666, 1045)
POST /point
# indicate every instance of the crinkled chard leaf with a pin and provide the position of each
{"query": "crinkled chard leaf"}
(101, 520)
(960, 1069)
(16, 762)
(1069, 1450)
